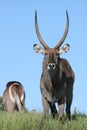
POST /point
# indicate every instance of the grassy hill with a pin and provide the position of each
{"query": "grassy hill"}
(35, 121)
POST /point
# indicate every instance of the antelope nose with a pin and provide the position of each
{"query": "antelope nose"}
(51, 66)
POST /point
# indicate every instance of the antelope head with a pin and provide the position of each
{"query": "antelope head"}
(51, 54)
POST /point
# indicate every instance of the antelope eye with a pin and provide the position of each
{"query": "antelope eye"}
(45, 54)
(57, 55)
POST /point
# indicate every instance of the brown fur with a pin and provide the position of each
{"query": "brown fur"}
(57, 86)
(16, 91)
(57, 77)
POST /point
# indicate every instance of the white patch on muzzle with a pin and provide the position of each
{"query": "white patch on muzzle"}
(51, 66)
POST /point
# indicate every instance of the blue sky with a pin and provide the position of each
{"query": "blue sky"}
(19, 62)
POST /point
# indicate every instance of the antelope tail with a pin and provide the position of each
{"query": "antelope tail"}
(16, 99)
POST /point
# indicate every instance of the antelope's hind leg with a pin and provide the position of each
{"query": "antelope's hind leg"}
(53, 109)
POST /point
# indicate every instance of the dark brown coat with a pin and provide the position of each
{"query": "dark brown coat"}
(57, 77)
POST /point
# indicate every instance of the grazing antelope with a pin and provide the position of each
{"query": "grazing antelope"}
(14, 96)
(57, 77)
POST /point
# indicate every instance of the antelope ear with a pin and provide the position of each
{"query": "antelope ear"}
(64, 49)
(38, 49)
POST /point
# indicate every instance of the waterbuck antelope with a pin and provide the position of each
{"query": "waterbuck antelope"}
(14, 96)
(57, 77)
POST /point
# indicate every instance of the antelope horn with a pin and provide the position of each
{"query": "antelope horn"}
(38, 33)
(65, 33)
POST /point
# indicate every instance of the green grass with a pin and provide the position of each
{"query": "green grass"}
(35, 121)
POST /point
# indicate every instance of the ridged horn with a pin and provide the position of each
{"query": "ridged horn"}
(65, 33)
(38, 33)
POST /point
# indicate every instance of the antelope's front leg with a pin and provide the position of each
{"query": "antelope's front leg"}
(45, 107)
(61, 104)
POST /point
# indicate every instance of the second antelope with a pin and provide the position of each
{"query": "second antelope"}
(14, 96)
